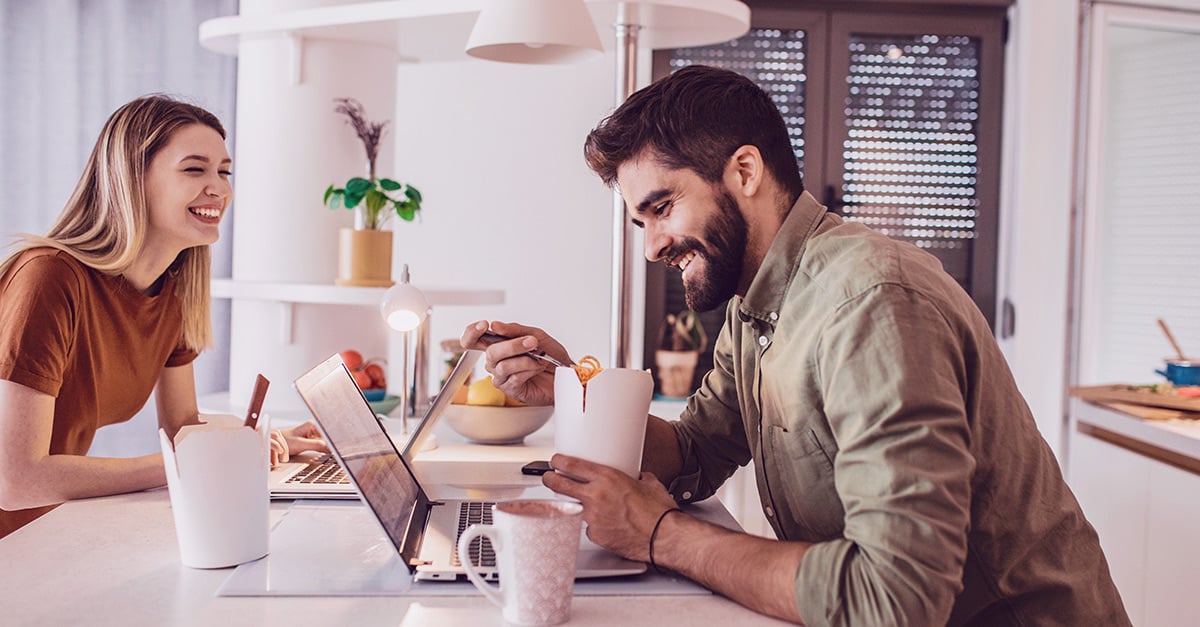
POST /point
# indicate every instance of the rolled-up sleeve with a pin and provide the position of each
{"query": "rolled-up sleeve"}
(891, 368)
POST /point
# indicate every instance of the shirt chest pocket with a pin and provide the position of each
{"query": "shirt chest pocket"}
(799, 474)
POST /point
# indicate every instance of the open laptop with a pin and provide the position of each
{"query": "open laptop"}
(321, 477)
(424, 531)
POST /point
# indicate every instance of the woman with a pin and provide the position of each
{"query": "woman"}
(111, 304)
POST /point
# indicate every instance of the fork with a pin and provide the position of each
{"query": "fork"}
(490, 338)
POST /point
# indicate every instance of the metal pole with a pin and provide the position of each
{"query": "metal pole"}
(405, 396)
(421, 366)
(622, 283)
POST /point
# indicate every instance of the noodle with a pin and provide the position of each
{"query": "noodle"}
(587, 368)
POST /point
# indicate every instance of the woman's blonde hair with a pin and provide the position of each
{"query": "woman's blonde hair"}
(103, 224)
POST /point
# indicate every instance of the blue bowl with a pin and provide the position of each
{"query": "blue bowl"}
(375, 394)
(386, 404)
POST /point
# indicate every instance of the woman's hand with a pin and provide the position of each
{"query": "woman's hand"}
(297, 439)
(516, 374)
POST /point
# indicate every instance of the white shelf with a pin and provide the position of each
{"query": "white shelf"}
(345, 295)
(437, 30)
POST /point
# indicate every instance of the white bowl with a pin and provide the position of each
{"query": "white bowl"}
(497, 425)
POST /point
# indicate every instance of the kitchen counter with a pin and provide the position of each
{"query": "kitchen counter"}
(1175, 441)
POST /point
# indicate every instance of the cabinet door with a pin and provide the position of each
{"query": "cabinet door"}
(1172, 547)
(912, 141)
(1111, 486)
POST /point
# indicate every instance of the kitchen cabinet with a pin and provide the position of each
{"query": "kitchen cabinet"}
(1139, 485)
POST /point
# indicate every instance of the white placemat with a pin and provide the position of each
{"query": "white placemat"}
(335, 548)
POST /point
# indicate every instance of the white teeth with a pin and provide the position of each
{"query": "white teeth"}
(683, 262)
(205, 212)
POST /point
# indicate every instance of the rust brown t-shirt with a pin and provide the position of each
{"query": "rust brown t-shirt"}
(91, 340)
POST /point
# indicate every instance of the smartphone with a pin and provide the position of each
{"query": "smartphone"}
(536, 468)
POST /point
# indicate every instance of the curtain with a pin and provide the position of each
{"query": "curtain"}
(65, 65)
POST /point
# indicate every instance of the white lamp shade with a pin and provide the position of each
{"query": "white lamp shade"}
(534, 31)
(403, 307)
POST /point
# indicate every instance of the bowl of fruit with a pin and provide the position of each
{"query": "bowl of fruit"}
(371, 377)
(483, 414)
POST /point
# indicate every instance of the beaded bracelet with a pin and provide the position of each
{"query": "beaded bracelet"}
(654, 534)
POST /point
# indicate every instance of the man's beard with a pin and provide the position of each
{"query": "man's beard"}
(722, 257)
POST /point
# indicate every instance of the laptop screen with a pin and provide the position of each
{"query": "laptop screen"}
(364, 449)
(362, 446)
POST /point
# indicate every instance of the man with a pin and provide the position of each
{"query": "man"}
(897, 462)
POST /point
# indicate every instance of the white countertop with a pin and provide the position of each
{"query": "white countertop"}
(1176, 436)
(115, 561)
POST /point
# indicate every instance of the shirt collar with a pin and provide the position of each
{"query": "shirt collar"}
(765, 297)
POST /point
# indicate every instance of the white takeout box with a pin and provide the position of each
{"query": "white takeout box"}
(611, 428)
(217, 478)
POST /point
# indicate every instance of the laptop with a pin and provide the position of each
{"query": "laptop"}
(319, 476)
(424, 531)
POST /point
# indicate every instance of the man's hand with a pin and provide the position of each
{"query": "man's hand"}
(619, 511)
(518, 375)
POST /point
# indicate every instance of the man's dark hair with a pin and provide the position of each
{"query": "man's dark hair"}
(695, 119)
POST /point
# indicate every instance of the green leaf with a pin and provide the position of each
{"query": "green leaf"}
(406, 213)
(358, 186)
(389, 185)
(375, 200)
(328, 193)
(413, 195)
(352, 200)
(336, 201)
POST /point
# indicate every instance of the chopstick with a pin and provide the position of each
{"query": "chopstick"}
(256, 401)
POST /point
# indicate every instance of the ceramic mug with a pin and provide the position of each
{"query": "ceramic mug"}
(1182, 372)
(536, 544)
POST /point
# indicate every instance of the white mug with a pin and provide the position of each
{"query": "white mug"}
(604, 422)
(536, 544)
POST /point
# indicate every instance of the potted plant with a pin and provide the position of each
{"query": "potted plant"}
(681, 339)
(365, 252)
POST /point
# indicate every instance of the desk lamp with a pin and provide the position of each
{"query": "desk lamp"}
(404, 307)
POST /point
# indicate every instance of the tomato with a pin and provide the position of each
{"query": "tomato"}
(352, 358)
(378, 378)
(362, 379)
(1189, 391)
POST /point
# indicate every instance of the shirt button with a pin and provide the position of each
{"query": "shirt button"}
(762, 340)
(770, 512)
(773, 316)
(686, 495)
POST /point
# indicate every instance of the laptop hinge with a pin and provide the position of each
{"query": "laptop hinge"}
(418, 562)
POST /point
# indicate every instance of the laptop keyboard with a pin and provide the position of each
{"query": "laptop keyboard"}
(475, 513)
(323, 471)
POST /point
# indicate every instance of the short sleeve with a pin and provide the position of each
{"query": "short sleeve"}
(181, 355)
(39, 301)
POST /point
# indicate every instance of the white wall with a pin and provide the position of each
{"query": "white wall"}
(496, 150)
(1036, 201)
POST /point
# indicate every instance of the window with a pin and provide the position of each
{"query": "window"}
(895, 121)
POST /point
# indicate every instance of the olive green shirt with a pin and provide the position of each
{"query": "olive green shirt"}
(885, 428)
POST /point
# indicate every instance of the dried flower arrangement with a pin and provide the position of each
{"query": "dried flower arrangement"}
(375, 195)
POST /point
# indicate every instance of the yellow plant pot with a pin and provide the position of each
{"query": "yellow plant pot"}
(364, 258)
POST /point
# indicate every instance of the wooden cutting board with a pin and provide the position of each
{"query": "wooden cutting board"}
(1140, 403)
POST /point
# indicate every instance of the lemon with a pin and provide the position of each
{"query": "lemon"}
(484, 392)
